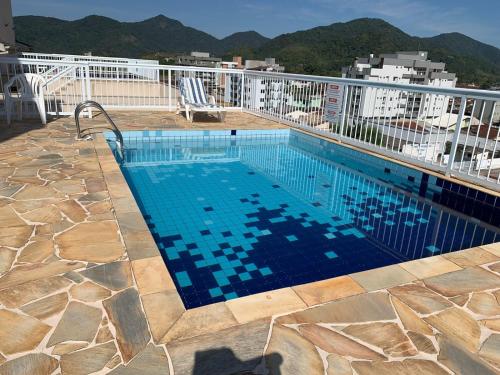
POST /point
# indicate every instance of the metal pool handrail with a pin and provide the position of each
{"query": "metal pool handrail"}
(92, 104)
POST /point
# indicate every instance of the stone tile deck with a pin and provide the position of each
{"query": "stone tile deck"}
(82, 289)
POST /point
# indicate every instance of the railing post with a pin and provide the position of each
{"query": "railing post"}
(456, 135)
(242, 98)
(169, 89)
(88, 87)
(344, 110)
(281, 99)
(83, 84)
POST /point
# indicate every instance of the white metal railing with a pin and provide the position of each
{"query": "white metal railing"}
(413, 123)
(65, 89)
(44, 71)
(454, 131)
(124, 86)
(50, 72)
(85, 58)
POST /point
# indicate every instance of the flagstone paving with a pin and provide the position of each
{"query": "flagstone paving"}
(82, 289)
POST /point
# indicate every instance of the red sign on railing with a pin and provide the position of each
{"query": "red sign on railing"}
(333, 102)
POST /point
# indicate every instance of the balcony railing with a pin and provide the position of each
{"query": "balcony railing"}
(448, 130)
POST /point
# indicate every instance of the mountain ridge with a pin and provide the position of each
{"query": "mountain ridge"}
(320, 50)
(123, 39)
(325, 49)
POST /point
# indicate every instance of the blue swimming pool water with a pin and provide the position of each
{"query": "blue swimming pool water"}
(240, 212)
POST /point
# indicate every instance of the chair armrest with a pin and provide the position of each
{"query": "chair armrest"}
(8, 86)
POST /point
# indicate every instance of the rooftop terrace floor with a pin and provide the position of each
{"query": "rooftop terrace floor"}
(84, 290)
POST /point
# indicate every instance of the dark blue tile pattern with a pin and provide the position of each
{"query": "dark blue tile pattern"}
(240, 215)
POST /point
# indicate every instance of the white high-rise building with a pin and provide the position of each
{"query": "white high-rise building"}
(262, 94)
(404, 68)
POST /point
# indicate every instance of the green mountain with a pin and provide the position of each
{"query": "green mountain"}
(105, 36)
(321, 50)
(473, 61)
(325, 49)
(246, 39)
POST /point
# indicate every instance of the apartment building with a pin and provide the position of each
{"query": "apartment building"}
(267, 65)
(263, 95)
(201, 59)
(301, 96)
(411, 67)
(260, 94)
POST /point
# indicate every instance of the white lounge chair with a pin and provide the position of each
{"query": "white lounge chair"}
(194, 99)
(28, 89)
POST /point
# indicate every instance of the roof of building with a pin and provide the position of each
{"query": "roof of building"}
(449, 120)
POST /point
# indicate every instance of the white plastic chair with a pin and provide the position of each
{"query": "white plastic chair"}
(194, 99)
(28, 89)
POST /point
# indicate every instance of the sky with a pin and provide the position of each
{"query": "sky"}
(478, 19)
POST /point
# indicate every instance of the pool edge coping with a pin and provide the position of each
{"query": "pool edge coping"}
(235, 312)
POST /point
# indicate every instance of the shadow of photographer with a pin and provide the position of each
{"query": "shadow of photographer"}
(222, 361)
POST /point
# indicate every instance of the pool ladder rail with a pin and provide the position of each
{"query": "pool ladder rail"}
(86, 133)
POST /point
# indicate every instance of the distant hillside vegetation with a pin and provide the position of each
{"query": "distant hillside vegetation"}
(324, 50)
(321, 50)
(105, 36)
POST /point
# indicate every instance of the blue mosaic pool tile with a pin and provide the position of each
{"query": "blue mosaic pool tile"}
(246, 246)
(275, 220)
(183, 279)
(172, 254)
(215, 292)
(433, 248)
(221, 278)
(231, 295)
(352, 231)
(291, 238)
(331, 255)
(411, 210)
(242, 255)
(265, 271)
(244, 276)
(250, 267)
(229, 271)
(228, 251)
(201, 263)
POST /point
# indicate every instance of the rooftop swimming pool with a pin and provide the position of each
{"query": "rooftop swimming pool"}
(240, 212)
